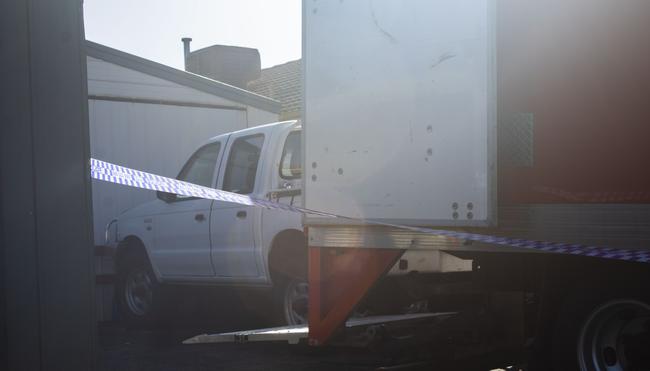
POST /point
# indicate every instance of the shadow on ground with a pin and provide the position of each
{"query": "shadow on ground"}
(192, 311)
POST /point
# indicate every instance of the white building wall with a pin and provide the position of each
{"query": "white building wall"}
(154, 138)
(107, 79)
(157, 138)
(260, 117)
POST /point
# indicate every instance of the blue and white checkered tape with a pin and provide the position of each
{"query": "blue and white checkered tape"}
(109, 172)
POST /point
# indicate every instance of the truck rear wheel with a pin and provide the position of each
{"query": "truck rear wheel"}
(616, 336)
(292, 303)
(603, 335)
(291, 300)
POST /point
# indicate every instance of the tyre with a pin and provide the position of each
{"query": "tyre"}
(602, 333)
(292, 303)
(137, 289)
(291, 298)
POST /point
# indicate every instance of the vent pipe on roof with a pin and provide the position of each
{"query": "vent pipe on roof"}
(186, 49)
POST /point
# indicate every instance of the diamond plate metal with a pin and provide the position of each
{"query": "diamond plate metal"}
(516, 140)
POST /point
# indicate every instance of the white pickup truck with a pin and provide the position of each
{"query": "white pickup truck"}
(186, 240)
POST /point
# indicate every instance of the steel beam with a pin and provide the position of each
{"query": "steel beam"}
(46, 249)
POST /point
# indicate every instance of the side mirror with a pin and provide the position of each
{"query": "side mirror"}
(166, 196)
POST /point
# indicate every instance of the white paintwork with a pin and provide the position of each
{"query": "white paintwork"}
(256, 117)
(399, 110)
(276, 221)
(224, 248)
(152, 137)
(108, 79)
(234, 252)
(431, 261)
(181, 241)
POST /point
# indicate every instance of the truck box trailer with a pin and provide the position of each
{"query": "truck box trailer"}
(524, 124)
(507, 135)
(505, 139)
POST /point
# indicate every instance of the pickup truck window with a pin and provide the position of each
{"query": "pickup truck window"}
(199, 169)
(291, 162)
(242, 164)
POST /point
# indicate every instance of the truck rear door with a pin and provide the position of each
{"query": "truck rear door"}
(232, 226)
(182, 230)
(399, 111)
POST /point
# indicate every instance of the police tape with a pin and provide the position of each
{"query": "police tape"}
(106, 171)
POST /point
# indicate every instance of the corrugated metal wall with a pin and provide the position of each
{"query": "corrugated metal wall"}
(151, 124)
(154, 138)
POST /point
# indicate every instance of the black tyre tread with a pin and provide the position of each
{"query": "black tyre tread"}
(280, 284)
(131, 260)
(277, 316)
(572, 315)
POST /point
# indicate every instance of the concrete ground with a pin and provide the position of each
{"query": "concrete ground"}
(159, 347)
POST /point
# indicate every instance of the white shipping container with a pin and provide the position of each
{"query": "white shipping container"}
(399, 114)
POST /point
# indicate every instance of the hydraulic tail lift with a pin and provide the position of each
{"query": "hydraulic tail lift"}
(338, 279)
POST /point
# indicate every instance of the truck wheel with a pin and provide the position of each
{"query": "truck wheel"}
(603, 335)
(292, 298)
(292, 303)
(136, 291)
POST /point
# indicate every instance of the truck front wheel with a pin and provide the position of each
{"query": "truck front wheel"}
(136, 290)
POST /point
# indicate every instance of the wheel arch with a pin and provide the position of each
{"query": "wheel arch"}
(288, 254)
(129, 246)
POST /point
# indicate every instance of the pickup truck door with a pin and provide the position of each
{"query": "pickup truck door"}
(182, 226)
(233, 226)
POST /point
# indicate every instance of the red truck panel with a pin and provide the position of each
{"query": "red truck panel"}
(582, 68)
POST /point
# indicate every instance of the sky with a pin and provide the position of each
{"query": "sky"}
(153, 29)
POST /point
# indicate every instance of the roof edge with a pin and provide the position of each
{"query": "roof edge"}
(206, 48)
(282, 64)
(184, 78)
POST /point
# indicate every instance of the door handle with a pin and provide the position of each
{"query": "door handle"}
(199, 217)
(241, 214)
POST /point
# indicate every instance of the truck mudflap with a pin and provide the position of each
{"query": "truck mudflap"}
(298, 333)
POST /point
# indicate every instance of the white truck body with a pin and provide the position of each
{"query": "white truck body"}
(416, 92)
(399, 128)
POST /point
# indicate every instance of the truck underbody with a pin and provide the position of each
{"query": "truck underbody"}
(516, 303)
(512, 307)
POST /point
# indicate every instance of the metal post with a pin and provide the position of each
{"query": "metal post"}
(45, 215)
(186, 49)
